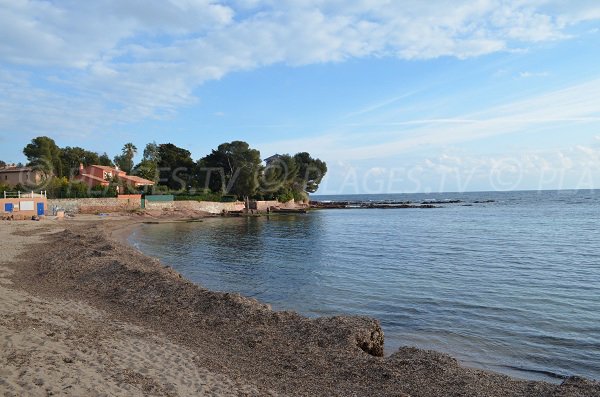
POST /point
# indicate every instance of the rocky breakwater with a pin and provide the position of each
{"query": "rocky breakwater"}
(281, 353)
(369, 204)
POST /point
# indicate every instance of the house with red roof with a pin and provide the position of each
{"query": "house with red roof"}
(94, 175)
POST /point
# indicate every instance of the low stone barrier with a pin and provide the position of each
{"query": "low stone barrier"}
(133, 202)
(159, 205)
(262, 206)
(212, 207)
(95, 205)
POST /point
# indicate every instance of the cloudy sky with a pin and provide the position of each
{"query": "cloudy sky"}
(395, 95)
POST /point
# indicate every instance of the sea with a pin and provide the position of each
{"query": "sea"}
(503, 281)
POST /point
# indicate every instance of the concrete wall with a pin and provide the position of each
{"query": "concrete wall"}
(18, 207)
(23, 176)
(129, 196)
(217, 207)
(95, 205)
(263, 205)
(159, 205)
(212, 207)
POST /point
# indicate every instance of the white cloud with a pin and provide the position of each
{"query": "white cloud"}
(457, 170)
(548, 169)
(133, 59)
(576, 105)
(526, 75)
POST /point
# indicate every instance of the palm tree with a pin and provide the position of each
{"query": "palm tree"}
(129, 152)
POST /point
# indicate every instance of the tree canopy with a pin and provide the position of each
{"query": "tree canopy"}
(125, 160)
(152, 152)
(279, 178)
(289, 177)
(71, 157)
(44, 154)
(103, 159)
(310, 172)
(148, 167)
(234, 168)
(175, 166)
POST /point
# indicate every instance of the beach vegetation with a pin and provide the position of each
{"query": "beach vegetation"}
(72, 157)
(233, 168)
(104, 160)
(289, 177)
(175, 167)
(62, 187)
(5, 188)
(125, 160)
(310, 172)
(148, 167)
(44, 155)
(206, 195)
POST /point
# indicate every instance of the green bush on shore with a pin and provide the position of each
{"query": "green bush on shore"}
(204, 196)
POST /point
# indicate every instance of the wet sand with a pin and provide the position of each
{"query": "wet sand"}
(84, 314)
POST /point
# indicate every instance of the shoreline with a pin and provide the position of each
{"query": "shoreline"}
(518, 373)
(241, 338)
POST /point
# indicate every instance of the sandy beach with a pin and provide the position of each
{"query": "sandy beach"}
(82, 313)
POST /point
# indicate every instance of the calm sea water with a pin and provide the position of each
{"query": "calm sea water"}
(512, 286)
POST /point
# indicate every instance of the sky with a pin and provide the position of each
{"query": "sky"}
(395, 95)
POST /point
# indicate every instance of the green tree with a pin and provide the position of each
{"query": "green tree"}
(234, 168)
(175, 167)
(4, 188)
(71, 157)
(148, 167)
(43, 154)
(152, 152)
(2, 164)
(125, 159)
(279, 177)
(310, 172)
(103, 159)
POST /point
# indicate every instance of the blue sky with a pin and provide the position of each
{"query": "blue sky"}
(396, 96)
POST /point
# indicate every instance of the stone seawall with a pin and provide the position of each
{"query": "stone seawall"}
(212, 207)
(159, 205)
(262, 206)
(126, 203)
(95, 205)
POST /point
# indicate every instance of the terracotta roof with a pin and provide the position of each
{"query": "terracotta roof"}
(16, 169)
(92, 177)
(105, 168)
(136, 179)
(120, 173)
